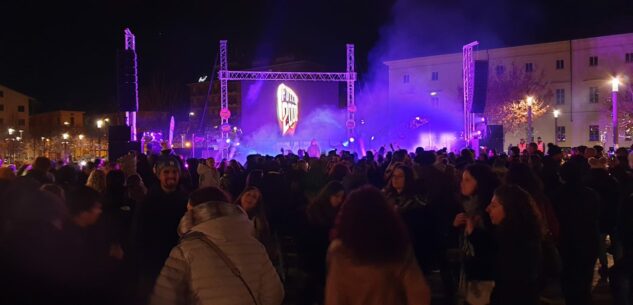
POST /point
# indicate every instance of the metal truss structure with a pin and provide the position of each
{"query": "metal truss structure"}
(130, 117)
(225, 75)
(468, 73)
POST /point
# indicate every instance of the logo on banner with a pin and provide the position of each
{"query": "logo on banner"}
(287, 109)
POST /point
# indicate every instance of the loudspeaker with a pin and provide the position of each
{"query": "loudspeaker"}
(480, 86)
(494, 138)
(119, 133)
(117, 149)
(126, 80)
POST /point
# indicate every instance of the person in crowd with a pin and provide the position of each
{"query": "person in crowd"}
(218, 261)
(6, 174)
(540, 145)
(518, 236)
(208, 174)
(404, 194)
(97, 181)
(158, 219)
(522, 146)
(251, 202)
(607, 187)
(36, 263)
(371, 260)
(577, 208)
(54, 189)
(313, 237)
(475, 229)
(40, 170)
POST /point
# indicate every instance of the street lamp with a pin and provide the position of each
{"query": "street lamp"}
(11, 131)
(530, 136)
(556, 135)
(615, 82)
(99, 125)
(192, 113)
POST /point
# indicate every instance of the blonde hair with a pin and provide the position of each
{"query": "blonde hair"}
(97, 181)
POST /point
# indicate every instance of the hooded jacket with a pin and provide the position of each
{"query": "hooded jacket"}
(195, 274)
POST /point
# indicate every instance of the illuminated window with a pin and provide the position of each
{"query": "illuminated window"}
(435, 75)
(593, 61)
(594, 133)
(560, 96)
(594, 95)
(529, 67)
(560, 133)
(560, 64)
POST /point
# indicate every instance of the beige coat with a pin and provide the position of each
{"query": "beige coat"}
(394, 284)
(195, 274)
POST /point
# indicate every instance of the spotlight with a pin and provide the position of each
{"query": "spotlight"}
(187, 144)
(228, 141)
(346, 143)
(237, 144)
(192, 113)
(372, 138)
(417, 118)
(351, 139)
(83, 163)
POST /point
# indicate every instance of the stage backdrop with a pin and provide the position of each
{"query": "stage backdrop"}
(289, 114)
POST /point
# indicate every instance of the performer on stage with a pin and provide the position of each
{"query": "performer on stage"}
(314, 150)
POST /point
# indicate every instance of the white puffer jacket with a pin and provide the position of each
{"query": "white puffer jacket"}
(195, 274)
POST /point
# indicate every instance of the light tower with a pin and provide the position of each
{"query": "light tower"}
(130, 116)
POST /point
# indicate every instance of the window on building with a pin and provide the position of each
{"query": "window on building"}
(628, 58)
(500, 69)
(435, 101)
(593, 61)
(594, 95)
(1, 107)
(435, 75)
(21, 122)
(2, 92)
(594, 133)
(72, 121)
(560, 96)
(405, 79)
(21, 108)
(529, 67)
(560, 133)
(1, 121)
(628, 134)
(560, 64)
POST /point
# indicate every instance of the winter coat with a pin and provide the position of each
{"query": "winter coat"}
(208, 176)
(394, 283)
(516, 269)
(195, 274)
(608, 189)
(158, 220)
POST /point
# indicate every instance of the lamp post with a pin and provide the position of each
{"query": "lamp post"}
(530, 136)
(99, 125)
(556, 135)
(615, 82)
(65, 136)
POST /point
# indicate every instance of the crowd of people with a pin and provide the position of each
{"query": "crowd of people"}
(162, 229)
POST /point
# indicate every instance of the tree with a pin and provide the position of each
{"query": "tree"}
(625, 111)
(506, 94)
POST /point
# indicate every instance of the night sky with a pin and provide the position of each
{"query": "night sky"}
(64, 54)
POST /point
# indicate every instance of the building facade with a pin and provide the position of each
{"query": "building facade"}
(14, 109)
(577, 75)
(55, 123)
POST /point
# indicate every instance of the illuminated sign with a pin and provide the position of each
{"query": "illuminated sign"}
(287, 109)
